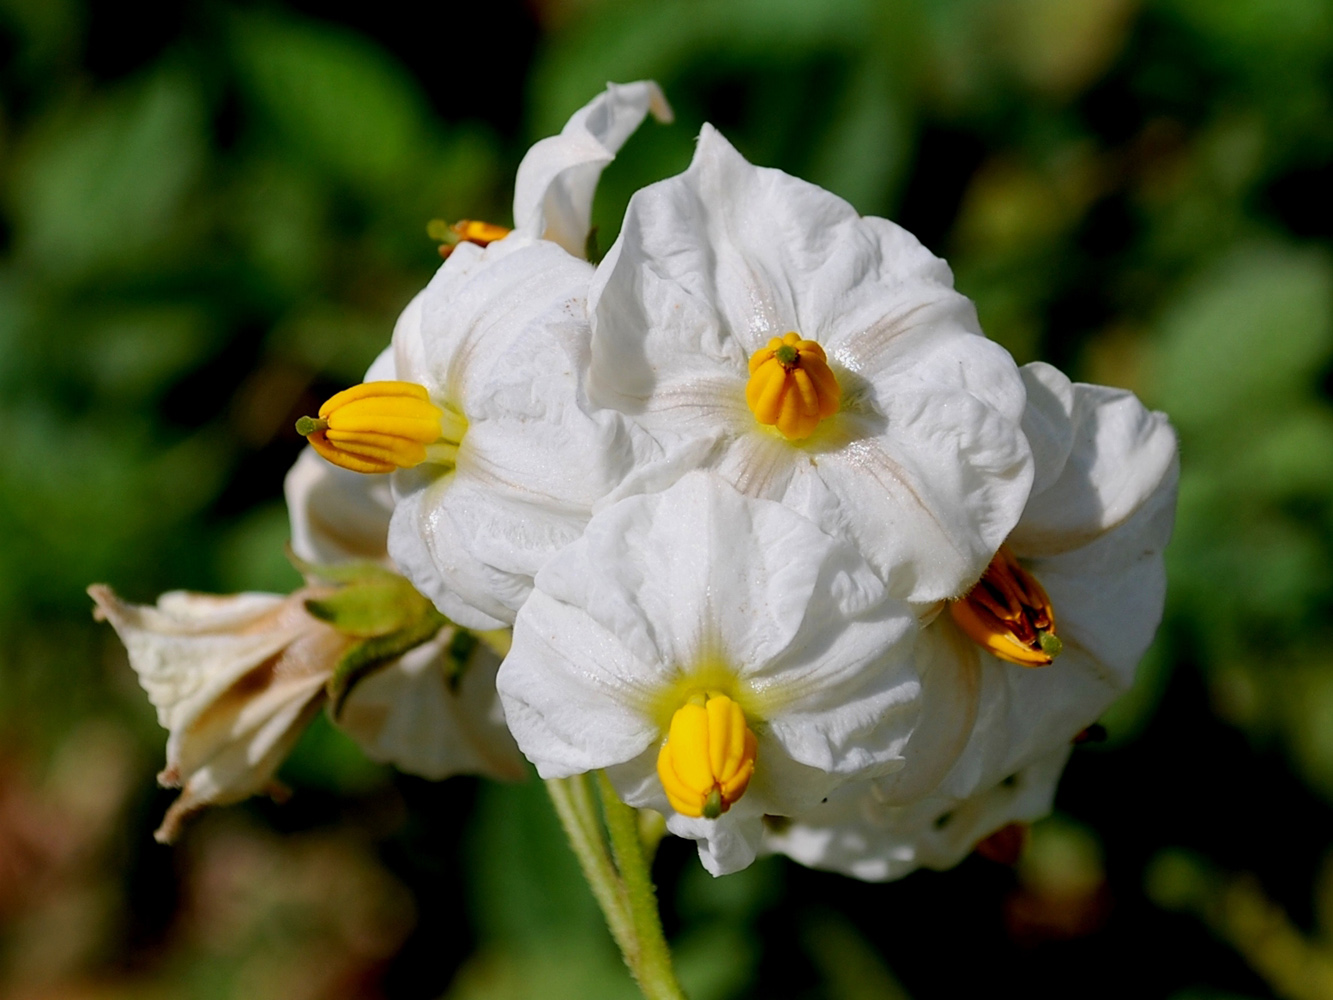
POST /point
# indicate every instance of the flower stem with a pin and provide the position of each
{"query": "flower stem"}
(619, 878)
(654, 958)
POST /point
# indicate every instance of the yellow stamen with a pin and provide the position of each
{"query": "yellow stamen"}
(464, 231)
(708, 758)
(791, 386)
(382, 426)
(1009, 614)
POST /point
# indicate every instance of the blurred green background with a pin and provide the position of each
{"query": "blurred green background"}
(210, 214)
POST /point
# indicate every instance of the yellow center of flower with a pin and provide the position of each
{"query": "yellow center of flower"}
(463, 231)
(1009, 614)
(382, 426)
(708, 758)
(791, 386)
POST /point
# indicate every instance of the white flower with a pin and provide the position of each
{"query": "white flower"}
(763, 646)
(500, 341)
(855, 832)
(920, 461)
(236, 679)
(337, 514)
(1088, 553)
(1092, 535)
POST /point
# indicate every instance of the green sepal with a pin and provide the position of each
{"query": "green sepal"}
(457, 656)
(351, 571)
(371, 608)
(368, 655)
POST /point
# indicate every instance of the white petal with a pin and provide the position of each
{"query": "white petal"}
(1047, 422)
(925, 467)
(554, 188)
(407, 714)
(858, 834)
(504, 340)
(574, 696)
(337, 515)
(1122, 456)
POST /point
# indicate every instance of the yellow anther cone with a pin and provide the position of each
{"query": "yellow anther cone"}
(1009, 614)
(791, 386)
(375, 427)
(708, 758)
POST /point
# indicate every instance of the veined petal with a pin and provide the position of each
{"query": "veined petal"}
(713, 263)
(556, 181)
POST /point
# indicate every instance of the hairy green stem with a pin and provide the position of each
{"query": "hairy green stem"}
(654, 955)
(619, 877)
(573, 806)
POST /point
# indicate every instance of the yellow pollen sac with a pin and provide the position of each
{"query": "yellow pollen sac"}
(464, 231)
(791, 386)
(1009, 614)
(708, 758)
(382, 426)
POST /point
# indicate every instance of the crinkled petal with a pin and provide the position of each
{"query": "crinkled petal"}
(660, 586)
(554, 189)
(504, 340)
(1047, 422)
(924, 467)
(856, 833)
(408, 714)
(1122, 456)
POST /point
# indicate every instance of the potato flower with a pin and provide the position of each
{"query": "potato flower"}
(755, 324)
(480, 400)
(1040, 647)
(236, 679)
(722, 657)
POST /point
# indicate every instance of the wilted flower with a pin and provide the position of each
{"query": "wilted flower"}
(236, 679)
(720, 656)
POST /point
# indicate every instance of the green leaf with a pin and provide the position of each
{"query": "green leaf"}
(334, 98)
(1246, 340)
(98, 185)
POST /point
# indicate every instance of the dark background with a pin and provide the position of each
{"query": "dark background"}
(210, 214)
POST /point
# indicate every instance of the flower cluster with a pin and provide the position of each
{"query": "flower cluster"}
(788, 548)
